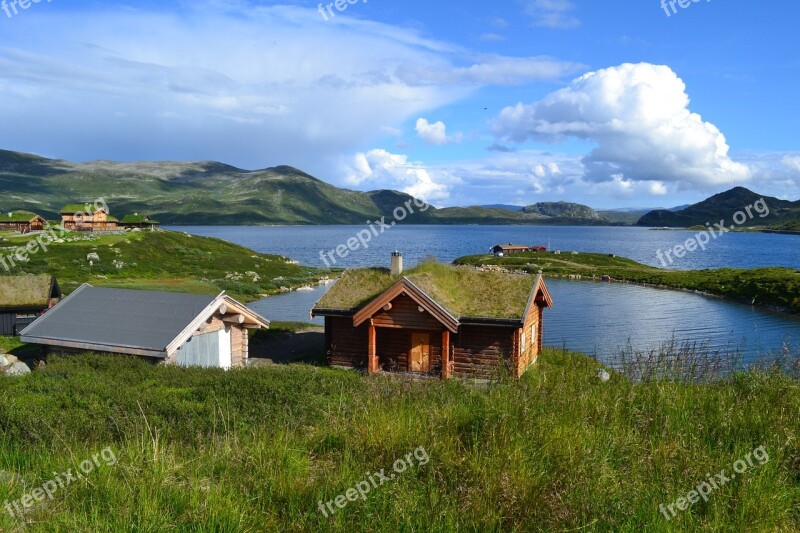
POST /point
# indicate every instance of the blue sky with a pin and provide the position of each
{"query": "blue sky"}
(612, 104)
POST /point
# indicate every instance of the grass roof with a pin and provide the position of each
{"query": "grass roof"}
(17, 216)
(24, 290)
(79, 208)
(462, 291)
(138, 219)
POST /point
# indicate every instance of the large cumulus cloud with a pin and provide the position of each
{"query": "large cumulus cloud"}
(638, 116)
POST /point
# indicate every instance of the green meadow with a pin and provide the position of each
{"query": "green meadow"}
(257, 449)
(159, 260)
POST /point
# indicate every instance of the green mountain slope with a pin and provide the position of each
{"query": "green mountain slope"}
(211, 193)
(723, 206)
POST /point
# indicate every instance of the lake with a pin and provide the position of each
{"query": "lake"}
(593, 318)
(446, 243)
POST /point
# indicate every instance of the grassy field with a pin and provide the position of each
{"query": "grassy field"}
(258, 449)
(776, 287)
(161, 260)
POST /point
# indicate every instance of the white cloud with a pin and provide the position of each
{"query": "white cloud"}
(380, 169)
(552, 13)
(639, 118)
(492, 69)
(435, 133)
(793, 162)
(226, 80)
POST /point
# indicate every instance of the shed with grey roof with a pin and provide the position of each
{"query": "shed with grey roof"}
(184, 329)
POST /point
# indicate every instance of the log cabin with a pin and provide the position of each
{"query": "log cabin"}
(23, 299)
(437, 320)
(22, 221)
(181, 329)
(77, 217)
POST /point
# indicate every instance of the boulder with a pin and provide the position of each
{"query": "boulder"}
(93, 257)
(4, 362)
(18, 369)
(603, 375)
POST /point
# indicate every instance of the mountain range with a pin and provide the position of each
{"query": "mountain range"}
(213, 193)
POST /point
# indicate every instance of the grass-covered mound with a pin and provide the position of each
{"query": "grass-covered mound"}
(160, 260)
(779, 287)
(257, 449)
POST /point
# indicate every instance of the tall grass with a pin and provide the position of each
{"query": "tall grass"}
(257, 449)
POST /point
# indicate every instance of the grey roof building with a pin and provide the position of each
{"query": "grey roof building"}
(185, 329)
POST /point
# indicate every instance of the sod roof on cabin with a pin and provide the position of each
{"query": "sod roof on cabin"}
(17, 216)
(138, 219)
(462, 291)
(78, 208)
(25, 291)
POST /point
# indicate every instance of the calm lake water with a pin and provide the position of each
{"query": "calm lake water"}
(446, 243)
(590, 317)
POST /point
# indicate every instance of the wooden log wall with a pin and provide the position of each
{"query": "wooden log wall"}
(479, 351)
(405, 314)
(347, 346)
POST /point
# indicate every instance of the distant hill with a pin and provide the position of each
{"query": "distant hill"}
(723, 206)
(507, 207)
(212, 193)
(563, 210)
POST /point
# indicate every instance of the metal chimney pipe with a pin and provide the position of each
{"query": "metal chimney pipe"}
(397, 263)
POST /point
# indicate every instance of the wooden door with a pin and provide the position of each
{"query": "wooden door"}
(420, 355)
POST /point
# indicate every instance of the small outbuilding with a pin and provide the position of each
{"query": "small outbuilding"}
(22, 221)
(23, 299)
(436, 320)
(183, 329)
(138, 221)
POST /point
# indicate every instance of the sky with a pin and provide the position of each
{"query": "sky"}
(625, 103)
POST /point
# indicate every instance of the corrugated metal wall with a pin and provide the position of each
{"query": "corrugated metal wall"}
(23, 323)
(7, 321)
(10, 325)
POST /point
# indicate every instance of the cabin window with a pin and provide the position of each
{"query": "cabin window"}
(522, 343)
(533, 334)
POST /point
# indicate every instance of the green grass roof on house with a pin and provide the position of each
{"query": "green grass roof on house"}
(138, 219)
(17, 216)
(462, 291)
(25, 291)
(78, 208)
